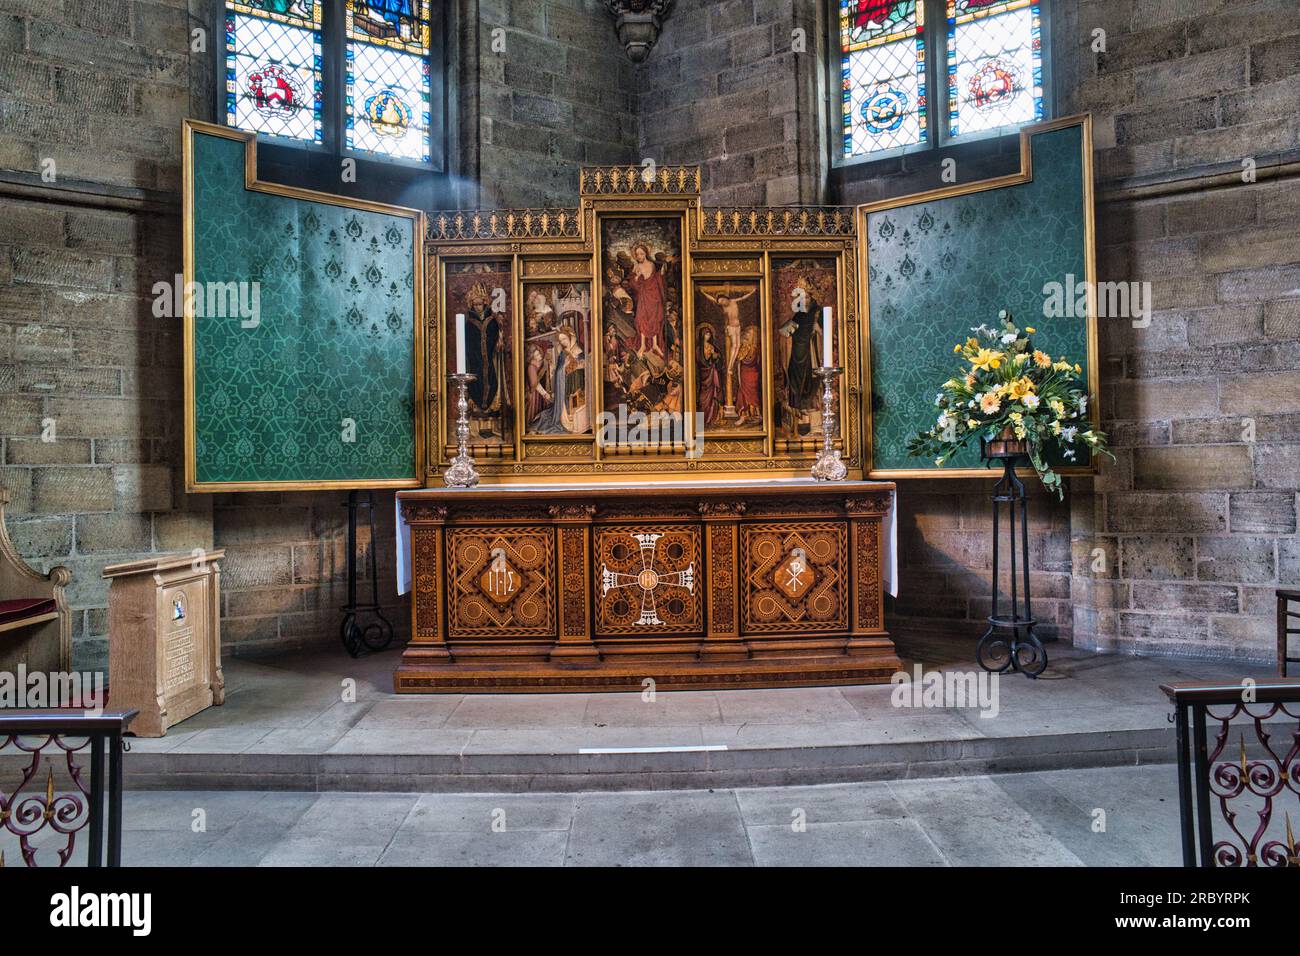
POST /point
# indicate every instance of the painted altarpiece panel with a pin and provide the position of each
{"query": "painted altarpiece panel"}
(801, 288)
(729, 365)
(642, 348)
(482, 292)
(557, 359)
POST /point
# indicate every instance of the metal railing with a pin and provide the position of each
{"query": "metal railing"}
(1260, 777)
(33, 807)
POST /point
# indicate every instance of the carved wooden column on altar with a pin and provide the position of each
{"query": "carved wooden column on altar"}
(866, 523)
(428, 639)
(573, 558)
(721, 524)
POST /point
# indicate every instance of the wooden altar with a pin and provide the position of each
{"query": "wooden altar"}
(698, 585)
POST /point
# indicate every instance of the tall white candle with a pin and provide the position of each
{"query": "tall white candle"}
(460, 343)
(828, 349)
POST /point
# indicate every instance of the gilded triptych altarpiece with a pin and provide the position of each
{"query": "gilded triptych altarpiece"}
(644, 407)
(641, 333)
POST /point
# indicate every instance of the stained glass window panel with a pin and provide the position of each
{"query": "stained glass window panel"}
(882, 47)
(387, 94)
(273, 67)
(995, 64)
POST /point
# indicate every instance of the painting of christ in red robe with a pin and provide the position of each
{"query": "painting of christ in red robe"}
(641, 309)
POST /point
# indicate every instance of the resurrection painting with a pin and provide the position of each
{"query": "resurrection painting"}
(800, 289)
(481, 291)
(557, 343)
(641, 313)
(728, 355)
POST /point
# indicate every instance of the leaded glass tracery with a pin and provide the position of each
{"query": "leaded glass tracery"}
(882, 59)
(995, 64)
(386, 99)
(273, 67)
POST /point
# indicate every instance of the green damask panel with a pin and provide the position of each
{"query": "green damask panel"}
(938, 268)
(332, 354)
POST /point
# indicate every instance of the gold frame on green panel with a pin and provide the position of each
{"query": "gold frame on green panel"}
(565, 243)
(1024, 175)
(252, 183)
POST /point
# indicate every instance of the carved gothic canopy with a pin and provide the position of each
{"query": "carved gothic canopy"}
(638, 23)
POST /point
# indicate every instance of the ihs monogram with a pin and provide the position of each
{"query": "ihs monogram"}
(647, 579)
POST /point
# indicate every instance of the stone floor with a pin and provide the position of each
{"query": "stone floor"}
(1030, 819)
(322, 721)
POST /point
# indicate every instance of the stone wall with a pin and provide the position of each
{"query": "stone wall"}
(1182, 541)
(91, 96)
(101, 90)
(1177, 545)
(1194, 524)
(554, 91)
(738, 86)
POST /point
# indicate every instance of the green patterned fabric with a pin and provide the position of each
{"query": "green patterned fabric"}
(334, 342)
(936, 269)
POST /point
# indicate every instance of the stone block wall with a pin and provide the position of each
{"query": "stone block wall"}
(101, 89)
(91, 99)
(737, 87)
(554, 91)
(1189, 532)
(1173, 548)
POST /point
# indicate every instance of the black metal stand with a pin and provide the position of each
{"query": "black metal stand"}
(378, 634)
(1010, 642)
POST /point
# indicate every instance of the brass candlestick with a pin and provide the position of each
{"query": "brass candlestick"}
(462, 473)
(828, 466)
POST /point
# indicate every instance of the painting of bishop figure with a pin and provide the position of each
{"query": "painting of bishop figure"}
(800, 289)
(557, 341)
(641, 314)
(481, 291)
(728, 355)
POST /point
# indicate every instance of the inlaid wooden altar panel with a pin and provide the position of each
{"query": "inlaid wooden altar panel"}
(795, 577)
(650, 579)
(685, 584)
(500, 582)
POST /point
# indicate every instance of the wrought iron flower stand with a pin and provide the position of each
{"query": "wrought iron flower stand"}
(1010, 642)
(377, 634)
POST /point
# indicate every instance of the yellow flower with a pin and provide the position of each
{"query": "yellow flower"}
(956, 348)
(1019, 431)
(1015, 416)
(1061, 366)
(1078, 369)
(1042, 359)
(987, 359)
(970, 379)
(1030, 329)
(990, 403)
(1019, 388)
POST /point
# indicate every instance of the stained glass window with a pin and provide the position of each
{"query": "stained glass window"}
(386, 99)
(273, 67)
(995, 64)
(882, 62)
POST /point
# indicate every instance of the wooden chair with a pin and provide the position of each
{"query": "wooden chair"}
(1285, 611)
(35, 623)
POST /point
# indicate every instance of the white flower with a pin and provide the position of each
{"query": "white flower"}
(944, 421)
(1008, 337)
(938, 399)
(1030, 401)
(1069, 434)
(1083, 404)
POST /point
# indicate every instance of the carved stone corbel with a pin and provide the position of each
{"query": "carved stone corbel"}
(638, 23)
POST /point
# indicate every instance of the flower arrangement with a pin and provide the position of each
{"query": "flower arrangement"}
(1009, 389)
